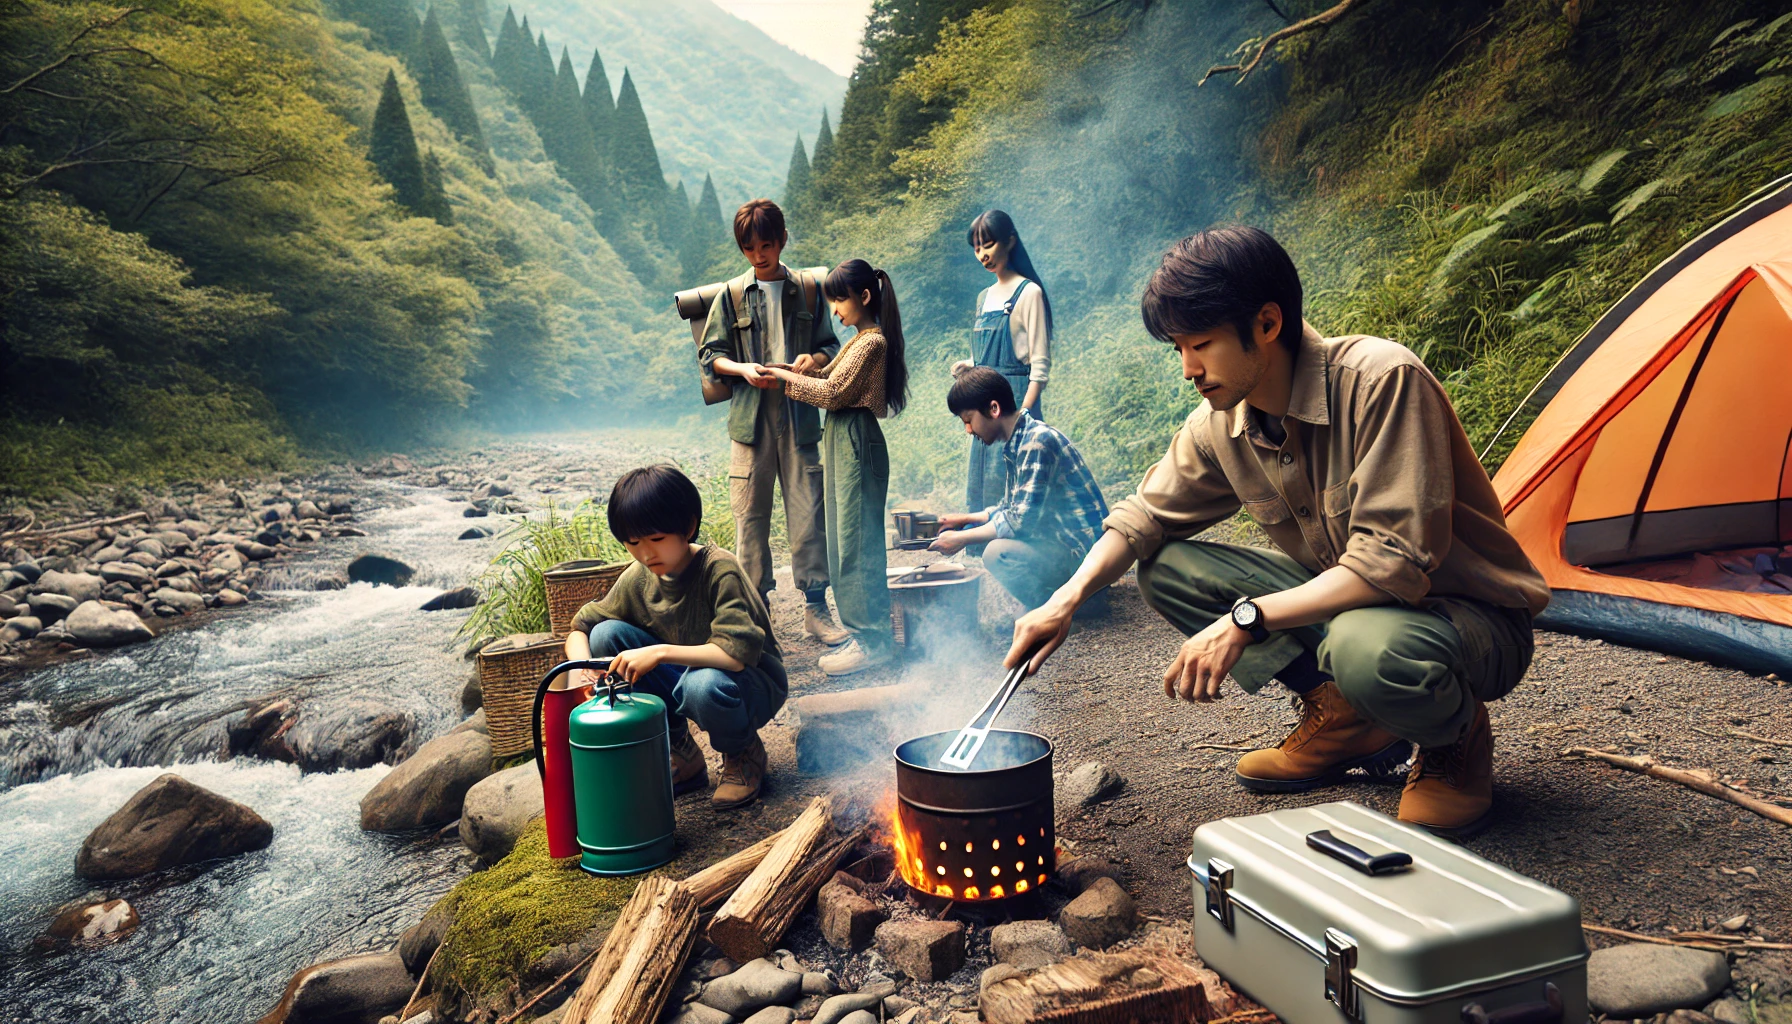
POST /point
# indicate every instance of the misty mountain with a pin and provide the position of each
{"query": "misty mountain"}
(723, 97)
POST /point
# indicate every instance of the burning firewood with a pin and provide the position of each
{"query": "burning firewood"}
(750, 924)
(641, 959)
(1100, 987)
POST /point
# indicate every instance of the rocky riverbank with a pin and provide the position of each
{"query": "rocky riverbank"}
(109, 581)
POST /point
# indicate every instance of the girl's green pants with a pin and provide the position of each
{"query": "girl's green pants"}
(856, 483)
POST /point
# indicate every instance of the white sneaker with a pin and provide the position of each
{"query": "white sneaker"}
(853, 658)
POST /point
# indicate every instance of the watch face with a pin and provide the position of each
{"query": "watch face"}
(1245, 615)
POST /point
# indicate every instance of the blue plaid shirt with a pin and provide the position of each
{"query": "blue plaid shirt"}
(1050, 494)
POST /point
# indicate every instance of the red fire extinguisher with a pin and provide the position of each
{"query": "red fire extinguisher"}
(553, 752)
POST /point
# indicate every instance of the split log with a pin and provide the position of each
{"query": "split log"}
(1100, 987)
(714, 883)
(750, 924)
(1697, 779)
(641, 959)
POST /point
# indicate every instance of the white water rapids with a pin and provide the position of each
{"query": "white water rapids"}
(218, 942)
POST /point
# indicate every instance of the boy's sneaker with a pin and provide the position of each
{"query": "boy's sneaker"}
(819, 623)
(689, 769)
(853, 658)
(743, 776)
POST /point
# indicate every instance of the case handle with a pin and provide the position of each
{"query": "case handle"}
(1548, 1010)
(1356, 857)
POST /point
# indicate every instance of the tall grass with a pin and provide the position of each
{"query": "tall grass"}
(513, 586)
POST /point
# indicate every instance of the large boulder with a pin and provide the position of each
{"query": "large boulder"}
(50, 608)
(167, 823)
(497, 809)
(354, 734)
(79, 585)
(125, 572)
(353, 990)
(1642, 979)
(420, 941)
(179, 600)
(92, 624)
(429, 787)
(378, 569)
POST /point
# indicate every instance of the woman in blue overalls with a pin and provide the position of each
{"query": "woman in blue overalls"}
(1012, 336)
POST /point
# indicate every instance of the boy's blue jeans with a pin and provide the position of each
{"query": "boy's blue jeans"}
(729, 706)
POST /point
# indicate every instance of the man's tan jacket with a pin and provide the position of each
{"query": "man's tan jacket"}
(1375, 473)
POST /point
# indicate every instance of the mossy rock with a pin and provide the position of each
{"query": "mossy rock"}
(511, 914)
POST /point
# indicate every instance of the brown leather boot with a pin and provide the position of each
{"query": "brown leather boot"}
(1450, 789)
(743, 776)
(818, 622)
(1330, 740)
(689, 769)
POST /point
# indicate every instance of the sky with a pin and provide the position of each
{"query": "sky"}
(825, 30)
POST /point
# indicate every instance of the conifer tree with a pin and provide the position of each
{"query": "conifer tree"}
(540, 81)
(796, 180)
(708, 215)
(470, 26)
(675, 223)
(507, 54)
(435, 196)
(443, 91)
(393, 149)
(636, 161)
(822, 157)
(600, 107)
(704, 233)
(565, 131)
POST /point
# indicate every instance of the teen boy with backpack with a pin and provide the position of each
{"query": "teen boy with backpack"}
(773, 315)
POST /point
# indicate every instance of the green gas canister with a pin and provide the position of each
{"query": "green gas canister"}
(622, 781)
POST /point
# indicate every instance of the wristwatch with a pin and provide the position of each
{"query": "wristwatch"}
(1248, 617)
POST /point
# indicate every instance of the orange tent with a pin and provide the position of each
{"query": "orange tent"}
(1654, 488)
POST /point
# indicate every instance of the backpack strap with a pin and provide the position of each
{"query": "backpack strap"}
(740, 316)
(805, 283)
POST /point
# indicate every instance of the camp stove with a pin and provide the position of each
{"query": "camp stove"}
(979, 835)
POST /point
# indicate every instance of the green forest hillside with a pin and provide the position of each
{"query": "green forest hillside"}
(238, 233)
(724, 97)
(1478, 180)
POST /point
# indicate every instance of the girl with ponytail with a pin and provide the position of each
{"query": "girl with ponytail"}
(1012, 335)
(867, 381)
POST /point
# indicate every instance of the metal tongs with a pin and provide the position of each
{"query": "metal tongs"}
(970, 739)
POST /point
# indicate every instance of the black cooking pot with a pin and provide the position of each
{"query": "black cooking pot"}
(976, 835)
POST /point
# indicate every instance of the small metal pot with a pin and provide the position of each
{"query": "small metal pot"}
(975, 835)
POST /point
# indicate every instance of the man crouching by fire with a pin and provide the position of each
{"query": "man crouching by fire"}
(1397, 604)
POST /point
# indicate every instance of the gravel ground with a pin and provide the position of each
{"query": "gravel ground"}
(1639, 853)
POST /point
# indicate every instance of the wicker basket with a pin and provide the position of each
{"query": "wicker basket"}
(935, 610)
(510, 668)
(572, 584)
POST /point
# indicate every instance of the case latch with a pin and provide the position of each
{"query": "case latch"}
(1340, 962)
(1219, 892)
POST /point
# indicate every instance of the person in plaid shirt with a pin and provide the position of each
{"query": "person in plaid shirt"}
(1051, 511)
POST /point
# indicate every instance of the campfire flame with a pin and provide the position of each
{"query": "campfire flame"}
(1030, 865)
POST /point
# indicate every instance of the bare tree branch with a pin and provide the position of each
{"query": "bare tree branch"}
(1323, 19)
(1272, 5)
(74, 55)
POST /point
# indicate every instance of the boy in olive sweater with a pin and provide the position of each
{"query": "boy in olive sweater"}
(684, 624)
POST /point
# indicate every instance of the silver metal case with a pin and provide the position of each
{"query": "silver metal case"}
(1339, 929)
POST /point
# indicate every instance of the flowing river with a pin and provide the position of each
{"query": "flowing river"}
(218, 942)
